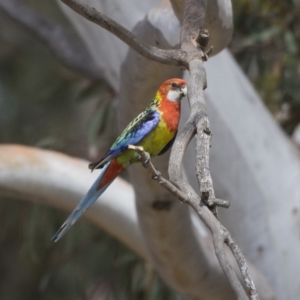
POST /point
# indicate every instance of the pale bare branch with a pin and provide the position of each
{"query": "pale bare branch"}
(60, 181)
(219, 232)
(193, 19)
(170, 57)
(191, 57)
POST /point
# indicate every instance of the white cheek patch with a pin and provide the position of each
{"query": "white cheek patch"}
(174, 95)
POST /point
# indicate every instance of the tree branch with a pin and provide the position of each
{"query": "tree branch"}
(219, 232)
(60, 181)
(199, 122)
(243, 267)
(170, 57)
(67, 51)
(192, 58)
(156, 175)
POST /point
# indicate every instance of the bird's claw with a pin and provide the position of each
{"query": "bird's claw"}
(146, 161)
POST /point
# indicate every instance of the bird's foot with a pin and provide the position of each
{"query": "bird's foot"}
(144, 156)
(145, 160)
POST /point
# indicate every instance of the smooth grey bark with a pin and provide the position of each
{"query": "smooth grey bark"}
(57, 180)
(257, 168)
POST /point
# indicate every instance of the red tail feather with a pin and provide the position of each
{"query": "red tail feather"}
(111, 173)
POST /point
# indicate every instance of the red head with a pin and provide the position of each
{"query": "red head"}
(173, 89)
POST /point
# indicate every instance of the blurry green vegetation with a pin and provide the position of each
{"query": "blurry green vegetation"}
(86, 263)
(266, 44)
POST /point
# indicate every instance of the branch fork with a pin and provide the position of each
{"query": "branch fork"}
(201, 41)
(190, 56)
(221, 235)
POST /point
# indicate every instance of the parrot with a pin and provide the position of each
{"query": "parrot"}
(154, 129)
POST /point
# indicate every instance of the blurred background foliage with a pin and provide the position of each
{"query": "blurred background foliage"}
(45, 105)
(266, 44)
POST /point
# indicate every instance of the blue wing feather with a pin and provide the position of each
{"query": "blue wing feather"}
(138, 129)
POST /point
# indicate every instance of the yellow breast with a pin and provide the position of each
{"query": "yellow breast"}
(157, 139)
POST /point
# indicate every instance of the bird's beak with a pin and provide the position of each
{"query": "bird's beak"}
(183, 91)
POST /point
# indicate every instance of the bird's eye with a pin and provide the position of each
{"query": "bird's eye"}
(174, 84)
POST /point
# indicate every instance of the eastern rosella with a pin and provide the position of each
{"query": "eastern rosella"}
(154, 129)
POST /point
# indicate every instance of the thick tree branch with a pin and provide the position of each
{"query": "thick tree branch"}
(67, 51)
(60, 181)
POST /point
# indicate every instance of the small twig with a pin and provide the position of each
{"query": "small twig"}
(156, 175)
(215, 202)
